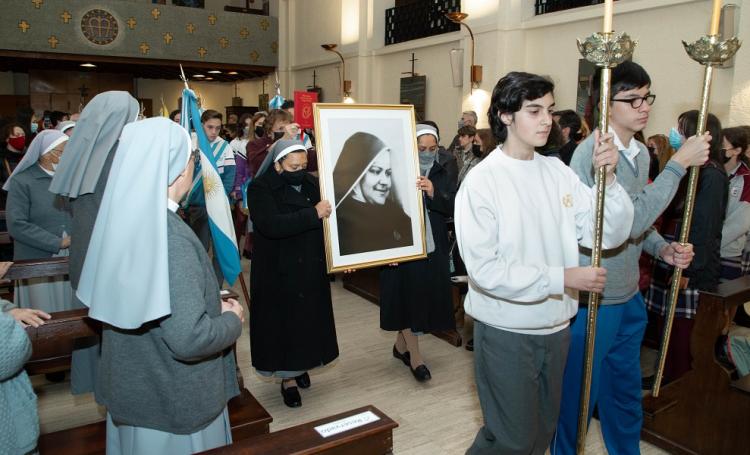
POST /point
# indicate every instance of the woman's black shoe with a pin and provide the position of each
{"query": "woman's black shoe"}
(405, 357)
(291, 396)
(303, 380)
(421, 373)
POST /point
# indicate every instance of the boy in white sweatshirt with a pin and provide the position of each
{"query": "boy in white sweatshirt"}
(519, 218)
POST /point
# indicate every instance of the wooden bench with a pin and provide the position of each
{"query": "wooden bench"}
(374, 438)
(705, 411)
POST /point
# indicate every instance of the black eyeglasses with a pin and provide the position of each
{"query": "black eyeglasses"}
(635, 103)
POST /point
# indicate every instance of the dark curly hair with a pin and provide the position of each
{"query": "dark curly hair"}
(509, 94)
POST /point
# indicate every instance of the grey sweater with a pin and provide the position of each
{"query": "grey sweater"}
(19, 422)
(36, 217)
(175, 374)
(649, 202)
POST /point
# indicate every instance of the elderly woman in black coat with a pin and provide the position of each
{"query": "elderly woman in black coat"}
(291, 317)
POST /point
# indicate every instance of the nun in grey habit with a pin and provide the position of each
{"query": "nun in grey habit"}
(81, 177)
(39, 222)
(167, 369)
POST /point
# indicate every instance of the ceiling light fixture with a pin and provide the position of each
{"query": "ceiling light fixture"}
(214, 72)
(88, 65)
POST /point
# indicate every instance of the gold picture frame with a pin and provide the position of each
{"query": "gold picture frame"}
(393, 127)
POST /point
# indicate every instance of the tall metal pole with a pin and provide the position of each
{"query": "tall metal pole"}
(606, 50)
(708, 51)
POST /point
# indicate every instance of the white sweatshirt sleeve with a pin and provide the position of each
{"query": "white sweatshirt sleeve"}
(491, 271)
(618, 213)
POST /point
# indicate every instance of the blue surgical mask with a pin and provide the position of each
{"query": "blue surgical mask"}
(34, 128)
(426, 160)
(675, 138)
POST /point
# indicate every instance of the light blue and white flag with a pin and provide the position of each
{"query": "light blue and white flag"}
(217, 204)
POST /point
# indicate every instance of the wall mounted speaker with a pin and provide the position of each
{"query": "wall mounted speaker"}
(457, 67)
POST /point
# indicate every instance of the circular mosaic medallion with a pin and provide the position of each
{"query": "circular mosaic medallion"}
(99, 26)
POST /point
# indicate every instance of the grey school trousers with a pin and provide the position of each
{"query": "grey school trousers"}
(519, 383)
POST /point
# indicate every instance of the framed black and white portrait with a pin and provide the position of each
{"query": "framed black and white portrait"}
(368, 164)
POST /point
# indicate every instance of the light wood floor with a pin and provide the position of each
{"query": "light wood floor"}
(440, 417)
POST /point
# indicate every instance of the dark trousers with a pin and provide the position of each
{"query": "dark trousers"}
(519, 383)
(198, 222)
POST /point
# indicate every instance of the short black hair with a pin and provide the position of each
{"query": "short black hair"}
(570, 119)
(687, 123)
(626, 76)
(56, 117)
(509, 94)
(211, 114)
(173, 114)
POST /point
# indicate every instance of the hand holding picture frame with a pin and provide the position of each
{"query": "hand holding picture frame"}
(368, 164)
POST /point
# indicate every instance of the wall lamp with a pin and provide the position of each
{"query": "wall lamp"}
(476, 70)
(346, 85)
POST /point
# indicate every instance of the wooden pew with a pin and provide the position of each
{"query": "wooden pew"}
(374, 438)
(52, 346)
(705, 411)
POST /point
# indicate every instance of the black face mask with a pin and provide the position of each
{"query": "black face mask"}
(294, 178)
(651, 149)
(277, 135)
(476, 150)
(726, 158)
(259, 131)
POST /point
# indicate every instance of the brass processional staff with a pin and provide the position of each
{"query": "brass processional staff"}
(709, 51)
(606, 50)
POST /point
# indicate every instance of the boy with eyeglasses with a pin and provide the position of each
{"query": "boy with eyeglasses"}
(616, 379)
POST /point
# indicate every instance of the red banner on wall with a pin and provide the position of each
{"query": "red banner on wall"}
(303, 108)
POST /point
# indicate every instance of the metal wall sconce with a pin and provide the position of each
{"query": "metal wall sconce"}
(346, 85)
(476, 70)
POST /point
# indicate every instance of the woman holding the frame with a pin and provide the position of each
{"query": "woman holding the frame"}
(415, 297)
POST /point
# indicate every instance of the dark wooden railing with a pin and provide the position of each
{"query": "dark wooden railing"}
(410, 20)
(551, 6)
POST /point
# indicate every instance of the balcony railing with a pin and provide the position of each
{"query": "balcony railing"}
(419, 19)
(551, 6)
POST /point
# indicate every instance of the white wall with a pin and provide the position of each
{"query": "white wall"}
(509, 37)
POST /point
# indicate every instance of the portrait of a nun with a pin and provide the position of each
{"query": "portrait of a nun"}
(368, 214)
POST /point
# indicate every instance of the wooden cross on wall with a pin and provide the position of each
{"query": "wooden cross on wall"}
(413, 61)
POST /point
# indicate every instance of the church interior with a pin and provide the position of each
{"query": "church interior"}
(247, 59)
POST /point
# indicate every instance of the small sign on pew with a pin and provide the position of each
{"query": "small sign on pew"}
(346, 424)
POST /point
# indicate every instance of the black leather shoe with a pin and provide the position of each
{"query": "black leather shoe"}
(421, 373)
(405, 357)
(303, 380)
(470, 345)
(291, 396)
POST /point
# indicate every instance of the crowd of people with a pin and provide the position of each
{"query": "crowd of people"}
(509, 206)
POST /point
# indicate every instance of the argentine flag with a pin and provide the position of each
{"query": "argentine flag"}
(217, 204)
